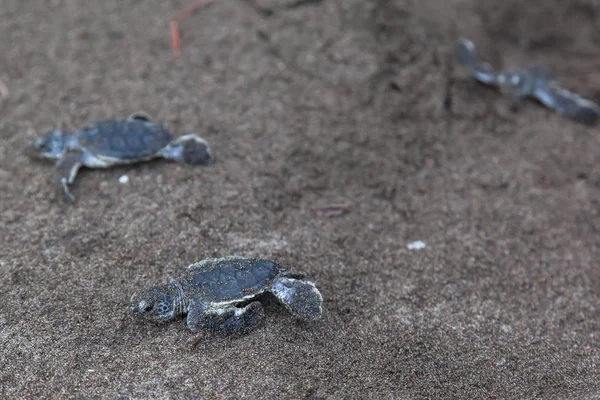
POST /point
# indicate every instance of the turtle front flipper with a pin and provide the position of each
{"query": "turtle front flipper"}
(190, 148)
(301, 298)
(567, 103)
(66, 171)
(465, 53)
(224, 322)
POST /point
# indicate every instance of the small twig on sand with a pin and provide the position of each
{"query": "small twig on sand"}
(4, 92)
(301, 3)
(175, 33)
(196, 339)
(333, 210)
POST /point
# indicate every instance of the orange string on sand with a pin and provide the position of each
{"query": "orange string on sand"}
(176, 38)
(175, 33)
(3, 90)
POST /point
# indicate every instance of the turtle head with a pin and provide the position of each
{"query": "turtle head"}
(52, 145)
(524, 81)
(155, 304)
(190, 148)
(514, 83)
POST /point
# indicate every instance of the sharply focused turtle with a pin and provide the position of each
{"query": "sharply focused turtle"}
(535, 81)
(219, 296)
(103, 144)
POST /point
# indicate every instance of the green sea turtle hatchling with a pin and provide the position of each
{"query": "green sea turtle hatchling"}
(219, 296)
(103, 144)
(535, 81)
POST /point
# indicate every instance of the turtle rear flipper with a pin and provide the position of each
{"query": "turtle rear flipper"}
(568, 104)
(290, 273)
(140, 116)
(301, 298)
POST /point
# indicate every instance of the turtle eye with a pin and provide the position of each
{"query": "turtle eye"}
(41, 145)
(146, 306)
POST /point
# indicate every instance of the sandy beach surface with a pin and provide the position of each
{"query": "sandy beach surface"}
(343, 133)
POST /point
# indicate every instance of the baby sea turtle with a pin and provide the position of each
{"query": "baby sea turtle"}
(536, 81)
(103, 144)
(219, 295)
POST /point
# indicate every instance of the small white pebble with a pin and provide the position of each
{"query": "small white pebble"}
(417, 245)
(91, 370)
(124, 179)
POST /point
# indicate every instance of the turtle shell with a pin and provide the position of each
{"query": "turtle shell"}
(127, 140)
(229, 279)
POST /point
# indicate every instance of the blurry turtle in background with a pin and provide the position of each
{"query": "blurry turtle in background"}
(103, 144)
(536, 81)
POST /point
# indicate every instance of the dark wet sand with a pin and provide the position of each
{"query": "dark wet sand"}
(347, 101)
